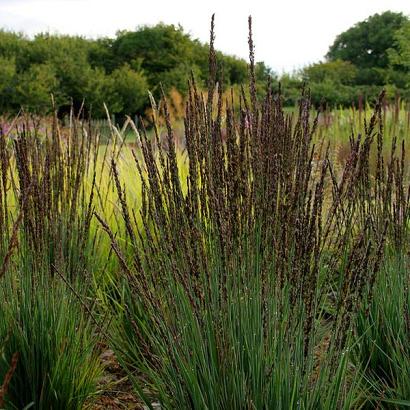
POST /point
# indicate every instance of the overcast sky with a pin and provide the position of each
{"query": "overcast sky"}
(288, 34)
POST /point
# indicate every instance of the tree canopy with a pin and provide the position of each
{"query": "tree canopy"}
(369, 45)
(119, 71)
(372, 54)
(366, 43)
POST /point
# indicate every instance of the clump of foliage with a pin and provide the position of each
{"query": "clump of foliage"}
(383, 336)
(244, 290)
(383, 327)
(400, 54)
(367, 56)
(46, 246)
(365, 44)
(57, 365)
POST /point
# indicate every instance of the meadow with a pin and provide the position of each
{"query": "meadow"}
(242, 257)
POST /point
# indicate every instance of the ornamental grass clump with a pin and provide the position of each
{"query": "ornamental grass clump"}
(46, 255)
(242, 290)
(383, 331)
(383, 323)
(42, 322)
(55, 189)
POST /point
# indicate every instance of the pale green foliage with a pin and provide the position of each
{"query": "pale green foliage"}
(337, 71)
(7, 78)
(36, 86)
(128, 90)
(401, 55)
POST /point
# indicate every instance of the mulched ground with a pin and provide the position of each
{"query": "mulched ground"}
(117, 390)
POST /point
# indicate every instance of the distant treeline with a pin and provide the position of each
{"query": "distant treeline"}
(118, 71)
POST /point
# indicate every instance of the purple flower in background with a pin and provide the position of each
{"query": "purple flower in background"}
(5, 128)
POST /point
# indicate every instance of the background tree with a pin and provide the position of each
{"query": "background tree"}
(69, 57)
(363, 60)
(119, 71)
(128, 91)
(366, 46)
(161, 49)
(15, 46)
(366, 43)
(99, 92)
(337, 71)
(399, 55)
(35, 87)
(7, 82)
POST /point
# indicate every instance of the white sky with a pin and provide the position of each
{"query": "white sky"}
(287, 33)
